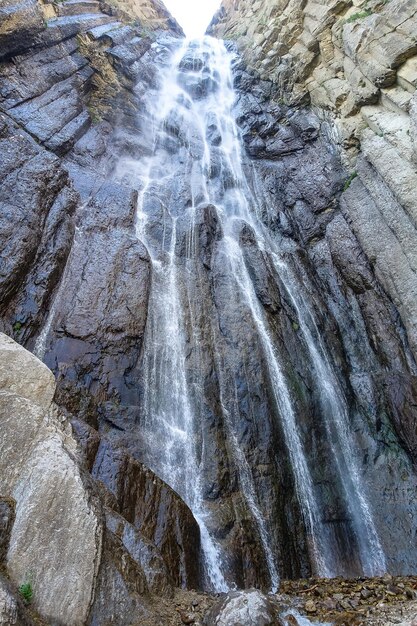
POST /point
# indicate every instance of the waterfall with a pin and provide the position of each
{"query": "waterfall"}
(195, 201)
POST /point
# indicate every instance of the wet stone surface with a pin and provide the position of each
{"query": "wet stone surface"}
(384, 607)
(80, 287)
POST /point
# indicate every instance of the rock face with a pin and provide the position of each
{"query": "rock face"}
(62, 531)
(332, 302)
(163, 519)
(19, 23)
(36, 226)
(356, 62)
(56, 526)
(151, 13)
(59, 99)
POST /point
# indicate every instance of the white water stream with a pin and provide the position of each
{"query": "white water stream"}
(170, 399)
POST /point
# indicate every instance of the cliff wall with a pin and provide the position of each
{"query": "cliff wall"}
(356, 64)
(79, 83)
(95, 533)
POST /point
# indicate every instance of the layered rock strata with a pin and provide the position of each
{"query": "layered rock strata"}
(356, 63)
(74, 72)
(76, 281)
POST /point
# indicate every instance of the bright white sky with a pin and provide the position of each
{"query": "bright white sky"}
(193, 15)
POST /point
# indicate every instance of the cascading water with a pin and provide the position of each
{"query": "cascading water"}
(195, 207)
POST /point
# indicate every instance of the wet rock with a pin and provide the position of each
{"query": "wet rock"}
(145, 554)
(260, 270)
(200, 234)
(191, 62)
(162, 517)
(99, 328)
(121, 592)
(36, 228)
(57, 117)
(369, 98)
(158, 532)
(197, 85)
(244, 608)
(7, 515)
(88, 441)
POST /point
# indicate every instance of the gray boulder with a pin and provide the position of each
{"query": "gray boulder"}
(244, 608)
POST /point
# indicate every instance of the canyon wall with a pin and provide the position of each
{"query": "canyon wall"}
(356, 63)
(66, 86)
(94, 532)
(325, 106)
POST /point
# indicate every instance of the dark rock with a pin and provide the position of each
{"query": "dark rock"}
(36, 228)
(260, 270)
(99, 328)
(34, 73)
(161, 517)
(197, 85)
(124, 55)
(121, 592)
(20, 23)
(147, 518)
(7, 514)
(57, 117)
(113, 33)
(88, 441)
(144, 552)
(191, 62)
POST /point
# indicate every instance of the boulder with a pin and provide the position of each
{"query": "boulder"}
(55, 540)
(244, 608)
(22, 375)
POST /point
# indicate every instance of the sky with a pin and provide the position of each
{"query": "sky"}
(193, 15)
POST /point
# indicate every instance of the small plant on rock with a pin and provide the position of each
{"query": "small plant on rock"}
(95, 116)
(26, 591)
(360, 15)
(349, 180)
(17, 327)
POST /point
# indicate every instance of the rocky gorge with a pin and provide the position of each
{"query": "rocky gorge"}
(208, 256)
